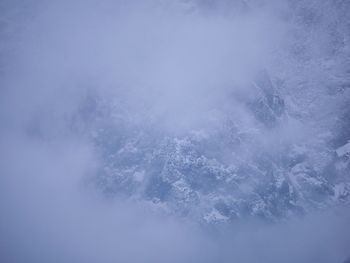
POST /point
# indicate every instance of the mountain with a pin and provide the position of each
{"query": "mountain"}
(276, 147)
(233, 171)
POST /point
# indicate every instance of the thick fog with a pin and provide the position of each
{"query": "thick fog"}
(174, 131)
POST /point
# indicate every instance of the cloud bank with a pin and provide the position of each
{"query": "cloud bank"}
(172, 67)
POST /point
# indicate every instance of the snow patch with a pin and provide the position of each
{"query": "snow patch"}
(343, 150)
(215, 216)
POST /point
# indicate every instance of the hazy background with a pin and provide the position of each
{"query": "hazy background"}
(84, 81)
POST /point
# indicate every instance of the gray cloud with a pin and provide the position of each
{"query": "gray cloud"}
(72, 70)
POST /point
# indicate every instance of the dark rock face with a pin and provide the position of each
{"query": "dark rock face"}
(268, 107)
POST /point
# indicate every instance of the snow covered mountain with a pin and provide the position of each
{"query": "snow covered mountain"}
(275, 147)
(226, 173)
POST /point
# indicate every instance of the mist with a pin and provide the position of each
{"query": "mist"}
(174, 131)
